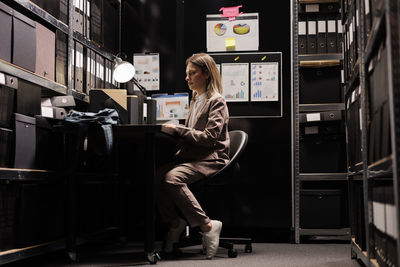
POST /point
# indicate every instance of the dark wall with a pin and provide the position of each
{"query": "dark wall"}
(176, 29)
(264, 194)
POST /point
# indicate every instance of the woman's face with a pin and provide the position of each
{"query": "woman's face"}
(196, 79)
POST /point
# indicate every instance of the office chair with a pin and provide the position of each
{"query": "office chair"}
(238, 143)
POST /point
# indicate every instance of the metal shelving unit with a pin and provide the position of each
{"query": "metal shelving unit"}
(299, 62)
(48, 88)
(384, 28)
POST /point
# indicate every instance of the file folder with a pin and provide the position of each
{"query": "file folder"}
(302, 36)
(99, 71)
(61, 57)
(332, 36)
(24, 42)
(78, 67)
(92, 70)
(321, 38)
(6, 14)
(311, 36)
(77, 20)
(45, 52)
(96, 21)
(86, 18)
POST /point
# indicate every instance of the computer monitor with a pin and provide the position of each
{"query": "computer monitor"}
(171, 107)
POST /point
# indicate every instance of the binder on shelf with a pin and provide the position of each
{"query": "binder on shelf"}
(86, 18)
(96, 21)
(92, 70)
(45, 52)
(73, 63)
(25, 142)
(61, 57)
(77, 20)
(321, 36)
(332, 36)
(78, 67)
(339, 30)
(302, 36)
(58, 9)
(99, 71)
(368, 19)
(24, 42)
(6, 18)
(311, 35)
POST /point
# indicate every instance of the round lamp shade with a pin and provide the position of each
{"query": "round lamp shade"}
(123, 71)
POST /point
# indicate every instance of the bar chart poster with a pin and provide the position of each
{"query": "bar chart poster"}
(235, 81)
(264, 81)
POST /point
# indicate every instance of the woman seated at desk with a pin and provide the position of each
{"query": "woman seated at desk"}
(203, 149)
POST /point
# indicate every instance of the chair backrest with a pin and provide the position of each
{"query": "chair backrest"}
(238, 142)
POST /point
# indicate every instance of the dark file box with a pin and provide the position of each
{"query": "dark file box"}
(6, 147)
(8, 204)
(24, 42)
(77, 19)
(331, 35)
(354, 134)
(28, 98)
(7, 100)
(320, 85)
(96, 21)
(58, 9)
(45, 52)
(322, 153)
(321, 209)
(6, 14)
(25, 142)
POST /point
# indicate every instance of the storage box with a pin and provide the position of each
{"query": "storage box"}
(321, 209)
(28, 98)
(25, 142)
(7, 99)
(8, 202)
(6, 147)
(24, 42)
(6, 14)
(320, 85)
(322, 153)
(45, 51)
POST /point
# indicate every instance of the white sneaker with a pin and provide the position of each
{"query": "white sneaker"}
(211, 239)
(173, 235)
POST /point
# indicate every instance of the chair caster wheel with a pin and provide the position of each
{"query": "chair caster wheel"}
(248, 248)
(153, 257)
(232, 253)
(72, 255)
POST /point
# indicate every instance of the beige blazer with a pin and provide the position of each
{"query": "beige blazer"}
(205, 147)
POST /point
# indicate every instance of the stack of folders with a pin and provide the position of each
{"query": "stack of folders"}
(384, 226)
(351, 24)
(320, 29)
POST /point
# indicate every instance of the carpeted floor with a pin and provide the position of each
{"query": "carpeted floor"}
(263, 255)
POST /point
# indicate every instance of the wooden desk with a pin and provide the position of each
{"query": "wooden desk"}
(125, 134)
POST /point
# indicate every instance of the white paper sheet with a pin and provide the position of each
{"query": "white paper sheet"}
(235, 81)
(265, 81)
(147, 70)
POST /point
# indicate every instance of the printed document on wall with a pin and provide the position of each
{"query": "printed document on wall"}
(241, 33)
(235, 81)
(264, 81)
(147, 70)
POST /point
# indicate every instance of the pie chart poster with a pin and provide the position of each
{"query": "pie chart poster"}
(242, 32)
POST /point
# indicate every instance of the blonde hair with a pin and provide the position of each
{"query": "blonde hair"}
(207, 64)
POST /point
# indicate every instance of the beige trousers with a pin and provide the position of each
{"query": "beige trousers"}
(172, 193)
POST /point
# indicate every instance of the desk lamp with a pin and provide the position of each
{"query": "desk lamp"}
(124, 71)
